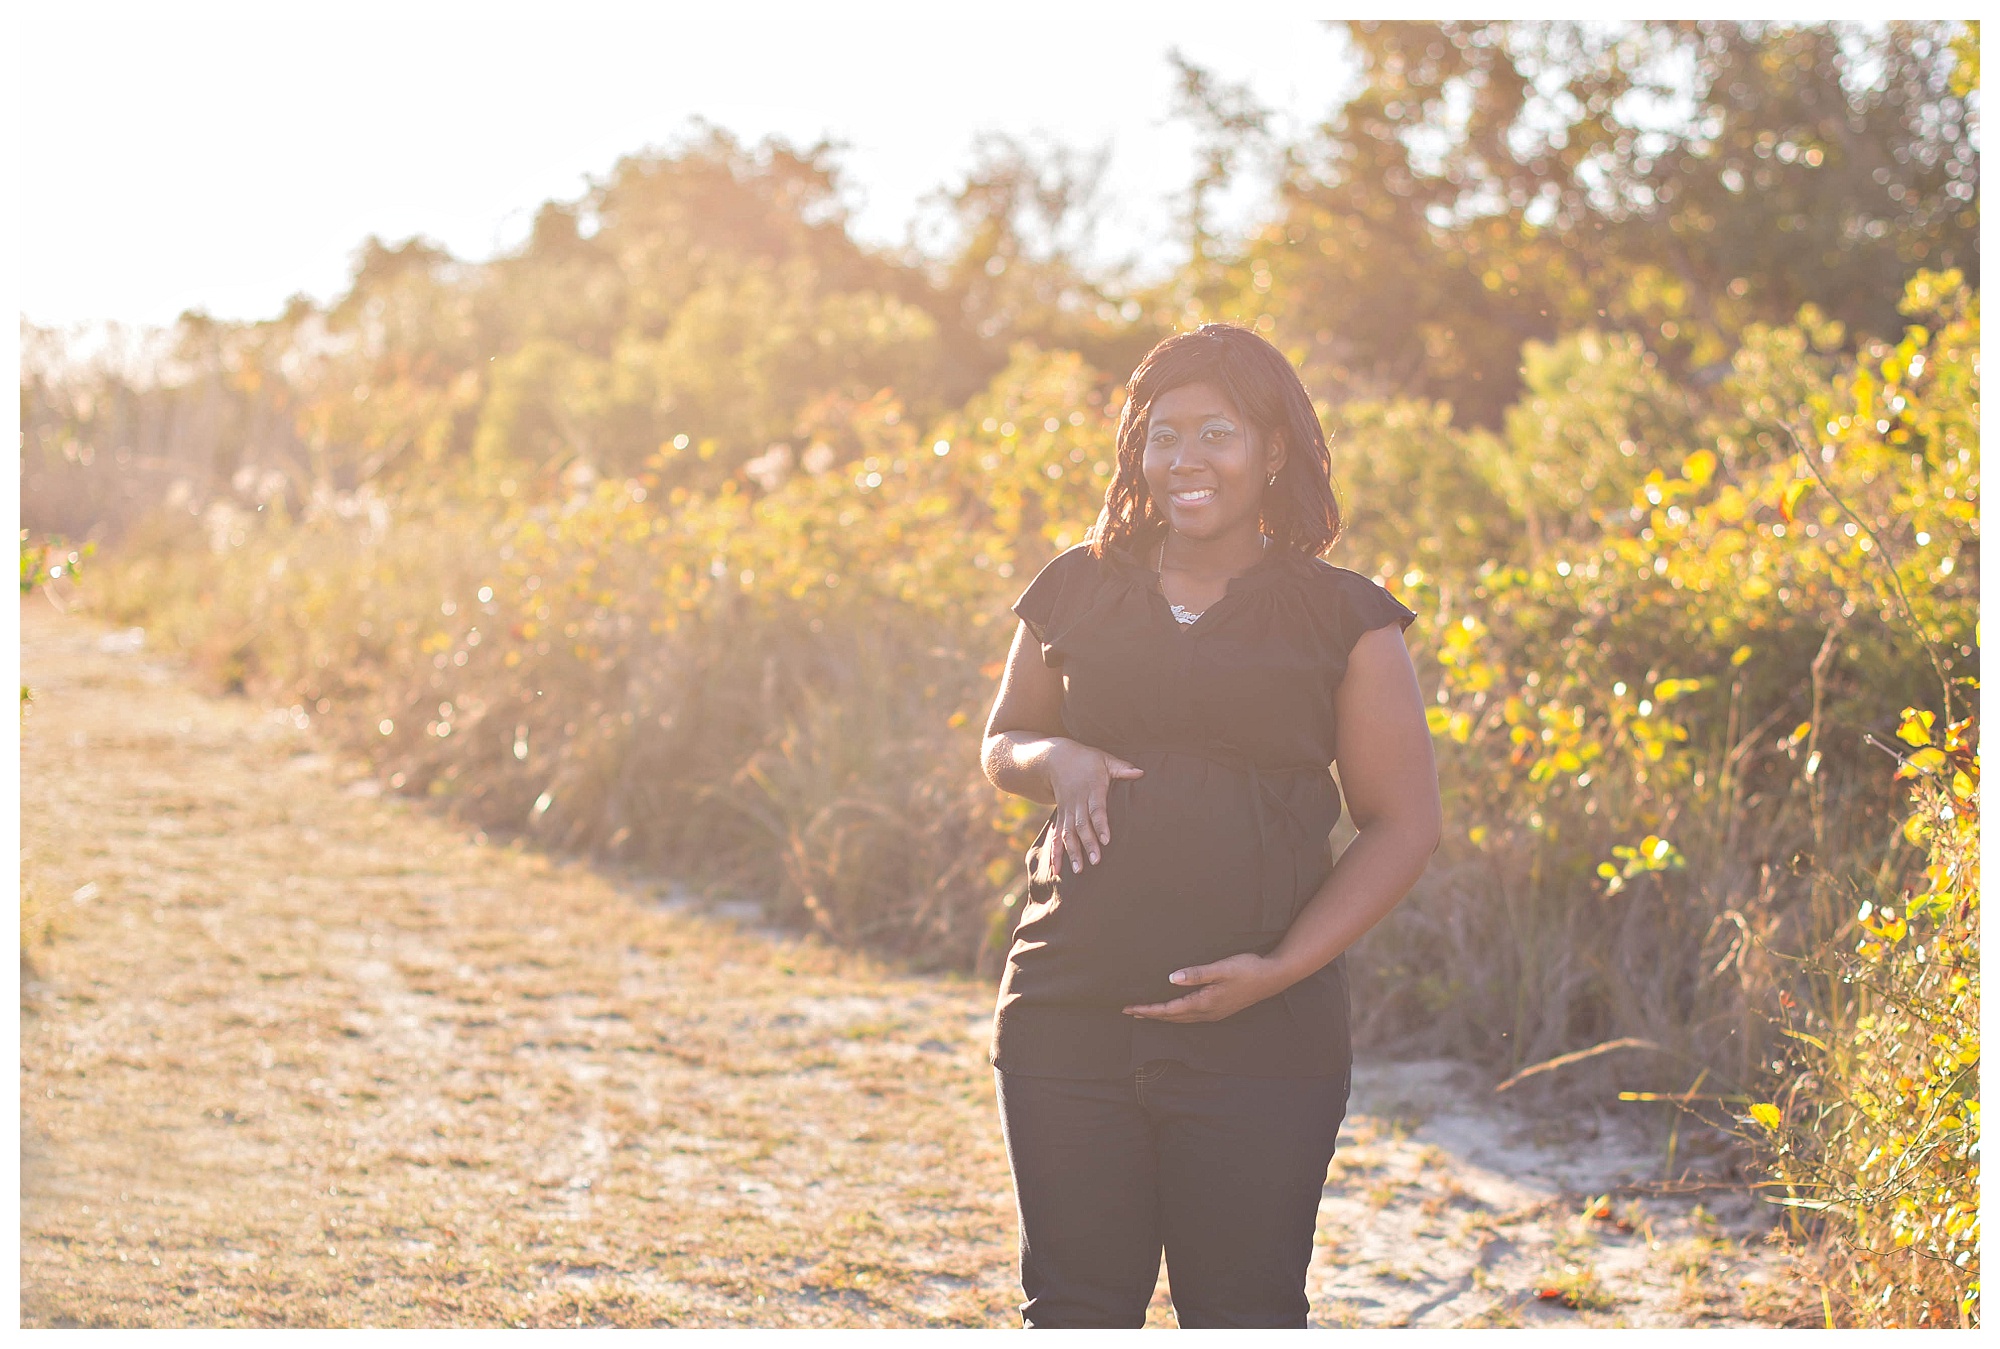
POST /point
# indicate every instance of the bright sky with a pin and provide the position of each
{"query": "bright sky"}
(225, 159)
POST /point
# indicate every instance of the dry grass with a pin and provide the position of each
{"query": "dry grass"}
(305, 1056)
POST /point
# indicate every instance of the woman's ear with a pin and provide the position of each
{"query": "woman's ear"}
(1274, 454)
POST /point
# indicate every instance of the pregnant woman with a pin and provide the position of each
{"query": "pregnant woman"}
(1171, 1042)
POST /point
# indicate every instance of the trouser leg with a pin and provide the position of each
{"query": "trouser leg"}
(1242, 1164)
(1083, 1163)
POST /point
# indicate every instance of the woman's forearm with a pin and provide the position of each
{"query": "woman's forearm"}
(1371, 878)
(1018, 762)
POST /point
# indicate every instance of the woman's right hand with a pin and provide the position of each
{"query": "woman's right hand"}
(1081, 779)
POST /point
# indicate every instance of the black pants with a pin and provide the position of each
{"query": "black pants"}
(1222, 1172)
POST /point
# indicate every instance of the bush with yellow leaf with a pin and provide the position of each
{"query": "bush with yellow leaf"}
(1876, 1129)
(1653, 725)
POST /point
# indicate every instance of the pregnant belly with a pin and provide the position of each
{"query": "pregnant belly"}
(1183, 882)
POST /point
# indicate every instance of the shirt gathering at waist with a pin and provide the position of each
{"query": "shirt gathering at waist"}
(1226, 753)
(1301, 1031)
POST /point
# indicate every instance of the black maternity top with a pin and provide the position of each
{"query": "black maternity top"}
(1213, 851)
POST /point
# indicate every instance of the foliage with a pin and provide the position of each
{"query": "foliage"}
(1874, 1117)
(775, 685)
(50, 560)
(45, 564)
(1651, 724)
(1879, 1129)
(1495, 183)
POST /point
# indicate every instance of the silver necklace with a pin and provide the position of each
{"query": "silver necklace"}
(1183, 616)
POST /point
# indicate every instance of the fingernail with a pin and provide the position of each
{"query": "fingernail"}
(1093, 857)
(1177, 978)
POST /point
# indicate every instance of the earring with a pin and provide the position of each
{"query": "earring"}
(1271, 481)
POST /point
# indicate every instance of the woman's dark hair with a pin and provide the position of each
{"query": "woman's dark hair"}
(1299, 509)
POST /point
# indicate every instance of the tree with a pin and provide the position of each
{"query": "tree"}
(1495, 183)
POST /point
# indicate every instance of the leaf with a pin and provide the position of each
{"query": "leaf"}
(1926, 760)
(1916, 727)
(1741, 654)
(1767, 1115)
(1956, 735)
(1795, 489)
(1699, 467)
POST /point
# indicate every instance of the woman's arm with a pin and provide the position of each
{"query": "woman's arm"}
(1025, 722)
(1026, 753)
(1390, 780)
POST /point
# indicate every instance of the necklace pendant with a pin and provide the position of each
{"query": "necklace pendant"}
(1182, 615)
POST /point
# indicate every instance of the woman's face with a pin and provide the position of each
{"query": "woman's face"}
(1205, 464)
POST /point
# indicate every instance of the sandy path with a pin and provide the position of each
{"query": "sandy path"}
(1447, 1207)
(294, 1053)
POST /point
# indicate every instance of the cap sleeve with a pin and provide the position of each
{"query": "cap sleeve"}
(1371, 607)
(1355, 606)
(1058, 593)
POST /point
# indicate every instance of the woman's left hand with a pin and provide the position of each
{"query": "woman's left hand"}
(1221, 989)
